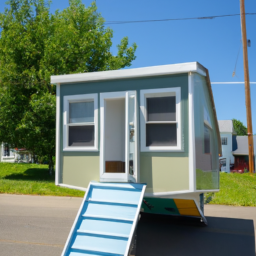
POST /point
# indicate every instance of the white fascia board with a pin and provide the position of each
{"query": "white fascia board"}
(72, 187)
(173, 193)
(130, 73)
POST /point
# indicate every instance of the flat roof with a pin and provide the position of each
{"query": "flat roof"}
(130, 73)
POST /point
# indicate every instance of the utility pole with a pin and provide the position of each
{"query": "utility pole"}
(247, 88)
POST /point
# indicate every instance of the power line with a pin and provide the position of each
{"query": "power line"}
(192, 18)
(231, 82)
(234, 72)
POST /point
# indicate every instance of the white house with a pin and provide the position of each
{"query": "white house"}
(234, 148)
(227, 132)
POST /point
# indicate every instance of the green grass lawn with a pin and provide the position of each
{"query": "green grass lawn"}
(34, 179)
(31, 179)
(235, 189)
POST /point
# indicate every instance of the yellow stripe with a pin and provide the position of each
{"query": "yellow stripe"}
(187, 207)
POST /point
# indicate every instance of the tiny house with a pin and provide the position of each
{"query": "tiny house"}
(153, 125)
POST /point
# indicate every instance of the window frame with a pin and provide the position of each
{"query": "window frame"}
(225, 139)
(75, 99)
(154, 93)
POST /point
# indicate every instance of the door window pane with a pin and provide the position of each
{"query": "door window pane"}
(161, 135)
(81, 135)
(161, 109)
(81, 112)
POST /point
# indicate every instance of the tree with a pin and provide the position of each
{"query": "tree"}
(35, 44)
(239, 127)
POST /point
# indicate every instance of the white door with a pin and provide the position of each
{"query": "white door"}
(132, 136)
(119, 137)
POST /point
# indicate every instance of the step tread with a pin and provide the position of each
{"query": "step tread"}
(130, 186)
(106, 217)
(112, 202)
(95, 250)
(102, 233)
(77, 252)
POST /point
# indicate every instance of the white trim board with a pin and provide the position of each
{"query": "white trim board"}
(131, 73)
(173, 193)
(57, 147)
(192, 161)
(231, 82)
(157, 194)
(72, 187)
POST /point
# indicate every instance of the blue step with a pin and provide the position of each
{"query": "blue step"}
(106, 220)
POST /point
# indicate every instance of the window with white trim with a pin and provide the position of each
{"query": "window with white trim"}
(80, 123)
(224, 141)
(160, 119)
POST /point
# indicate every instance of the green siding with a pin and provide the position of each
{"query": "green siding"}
(164, 171)
(167, 171)
(206, 177)
(79, 168)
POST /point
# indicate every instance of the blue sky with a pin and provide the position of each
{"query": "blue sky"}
(214, 43)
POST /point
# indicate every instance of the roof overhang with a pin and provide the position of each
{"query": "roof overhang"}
(240, 154)
(130, 73)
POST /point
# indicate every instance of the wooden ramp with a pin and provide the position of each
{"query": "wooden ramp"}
(106, 220)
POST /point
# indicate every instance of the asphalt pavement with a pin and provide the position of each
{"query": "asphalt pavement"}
(39, 226)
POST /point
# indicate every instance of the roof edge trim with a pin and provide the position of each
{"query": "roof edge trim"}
(131, 73)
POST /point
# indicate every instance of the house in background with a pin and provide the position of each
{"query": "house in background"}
(234, 148)
(227, 132)
(14, 155)
(7, 153)
(241, 152)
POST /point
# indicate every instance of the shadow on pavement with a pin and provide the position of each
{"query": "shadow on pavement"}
(166, 235)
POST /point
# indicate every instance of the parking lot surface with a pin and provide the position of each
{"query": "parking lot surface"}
(39, 225)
